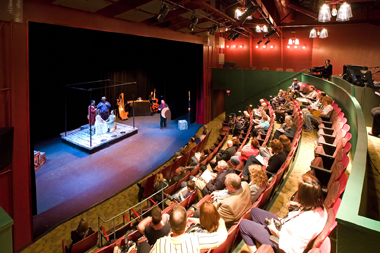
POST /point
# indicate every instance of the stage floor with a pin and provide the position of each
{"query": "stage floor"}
(80, 138)
(71, 180)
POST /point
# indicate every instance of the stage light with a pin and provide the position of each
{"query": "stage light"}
(234, 46)
(267, 42)
(303, 47)
(295, 46)
(163, 12)
(228, 46)
(261, 40)
(264, 46)
(273, 31)
(213, 29)
(237, 35)
(257, 46)
(271, 46)
(248, 12)
(193, 22)
(232, 34)
(288, 46)
(241, 46)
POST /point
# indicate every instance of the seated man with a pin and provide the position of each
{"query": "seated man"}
(154, 226)
(294, 89)
(225, 154)
(236, 203)
(286, 108)
(179, 174)
(190, 144)
(218, 182)
(185, 191)
(179, 241)
(279, 99)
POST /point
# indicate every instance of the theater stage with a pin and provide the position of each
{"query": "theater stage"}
(71, 180)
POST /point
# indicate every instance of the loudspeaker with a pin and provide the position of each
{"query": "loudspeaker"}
(6, 147)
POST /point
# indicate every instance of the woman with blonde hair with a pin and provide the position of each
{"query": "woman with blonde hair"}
(259, 181)
(158, 186)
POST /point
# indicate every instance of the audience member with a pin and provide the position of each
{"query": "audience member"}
(294, 88)
(158, 186)
(83, 230)
(273, 164)
(197, 158)
(190, 144)
(218, 182)
(299, 227)
(185, 191)
(246, 152)
(264, 125)
(179, 174)
(236, 142)
(154, 226)
(187, 242)
(325, 112)
(288, 129)
(209, 220)
(315, 105)
(225, 154)
(279, 99)
(259, 181)
(286, 108)
(236, 203)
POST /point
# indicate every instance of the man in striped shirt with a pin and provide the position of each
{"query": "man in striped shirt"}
(179, 241)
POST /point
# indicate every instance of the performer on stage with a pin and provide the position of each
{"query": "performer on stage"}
(100, 125)
(91, 113)
(104, 108)
(111, 123)
(162, 119)
(328, 71)
(154, 94)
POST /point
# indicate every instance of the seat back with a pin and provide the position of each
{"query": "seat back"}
(325, 246)
(167, 171)
(171, 189)
(194, 171)
(175, 165)
(225, 247)
(185, 157)
(85, 244)
(267, 192)
(184, 179)
(148, 187)
(329, 226)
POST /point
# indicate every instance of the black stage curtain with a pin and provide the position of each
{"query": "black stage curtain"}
(61, 55)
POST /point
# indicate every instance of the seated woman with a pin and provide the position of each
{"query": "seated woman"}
(158, 185)
(100, 125)
(326, 101)
(111, 123)
(209, 220)
(299, 227)
(288, 129)
(264, 125)
(83, 230)
(274, 163)
(259, 181)
(246, 152)
(236, 142)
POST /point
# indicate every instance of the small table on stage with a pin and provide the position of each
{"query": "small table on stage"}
(142, 108)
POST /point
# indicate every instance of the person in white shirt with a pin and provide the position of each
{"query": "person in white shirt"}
(299, 227)
(326, 111)
(313, 106)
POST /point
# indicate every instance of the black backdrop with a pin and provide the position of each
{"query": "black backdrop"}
(61, 55)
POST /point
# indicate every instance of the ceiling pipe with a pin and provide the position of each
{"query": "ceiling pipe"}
(266, 16)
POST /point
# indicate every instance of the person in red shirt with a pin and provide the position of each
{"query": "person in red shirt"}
(246, 152)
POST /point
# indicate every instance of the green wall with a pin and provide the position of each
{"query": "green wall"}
(248, 86)
(356, 232)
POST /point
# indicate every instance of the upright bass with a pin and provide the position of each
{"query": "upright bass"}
(120, 102)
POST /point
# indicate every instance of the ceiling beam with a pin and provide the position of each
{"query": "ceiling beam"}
(266, 15)
(303, 10)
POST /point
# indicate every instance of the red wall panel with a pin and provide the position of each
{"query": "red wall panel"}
(238, 51)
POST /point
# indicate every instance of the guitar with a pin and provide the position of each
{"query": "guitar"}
(120, 102)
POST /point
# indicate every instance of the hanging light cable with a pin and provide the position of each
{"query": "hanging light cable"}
(324, 13)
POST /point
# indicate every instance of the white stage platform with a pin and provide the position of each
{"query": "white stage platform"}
(80, 138)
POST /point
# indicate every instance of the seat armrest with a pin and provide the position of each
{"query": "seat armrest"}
(328, 138)
(327, 123)
(327, 130)
(320, 169)
(328, 148)
(324, 155)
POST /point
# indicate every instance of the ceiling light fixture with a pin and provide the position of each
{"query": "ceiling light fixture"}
(261, 40)
(237, 35)
(163, 12)
(344, 12)
(213, 29)
(258, 29)
(293, 40)
(232, 34)
(334, 10)
(324, 13)
(273, 31)
(264, 29)
(313, 34)
(324, 34)
(267, 42)
(248, 13)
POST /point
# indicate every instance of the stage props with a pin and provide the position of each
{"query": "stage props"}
(165, 113)
(182, 124)
(39, 159)
(123, 115)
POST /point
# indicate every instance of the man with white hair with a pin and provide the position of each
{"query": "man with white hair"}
(104, 107)
(161, 107)
(236, 203)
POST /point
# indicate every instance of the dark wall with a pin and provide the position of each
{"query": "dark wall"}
(218, 105)
(61, 55)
